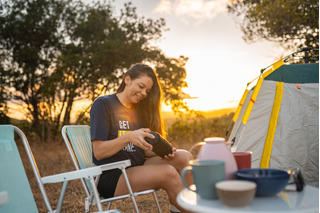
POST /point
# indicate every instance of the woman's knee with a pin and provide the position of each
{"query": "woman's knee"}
(183, 157)
(170, 174)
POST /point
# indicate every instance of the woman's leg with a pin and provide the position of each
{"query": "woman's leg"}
(179, 162)
(145, 177)
(158, 173)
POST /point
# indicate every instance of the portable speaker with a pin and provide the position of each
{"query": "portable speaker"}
(160, 145)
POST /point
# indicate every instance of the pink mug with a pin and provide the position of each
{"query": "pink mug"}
(243, 159)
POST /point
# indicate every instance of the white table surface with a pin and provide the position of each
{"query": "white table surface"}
(305, 201)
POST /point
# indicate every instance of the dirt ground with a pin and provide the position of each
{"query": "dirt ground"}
(53, 158)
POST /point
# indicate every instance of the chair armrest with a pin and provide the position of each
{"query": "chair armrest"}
(83, 173)
(116, 165)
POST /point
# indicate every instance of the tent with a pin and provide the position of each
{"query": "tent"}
(278, 120)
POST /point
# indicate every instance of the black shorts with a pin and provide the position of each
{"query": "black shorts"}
(108, 182)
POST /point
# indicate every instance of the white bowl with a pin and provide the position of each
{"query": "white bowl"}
(236, 193)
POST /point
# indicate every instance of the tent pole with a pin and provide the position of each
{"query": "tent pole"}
(306, 57)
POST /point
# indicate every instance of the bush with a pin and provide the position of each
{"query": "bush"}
(188, 130)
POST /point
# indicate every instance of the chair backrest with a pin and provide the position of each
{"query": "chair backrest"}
(13, 178)
(78, 142)
(79, 138)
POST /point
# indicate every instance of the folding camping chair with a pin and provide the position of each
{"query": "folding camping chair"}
(78, 142)
(14, 181)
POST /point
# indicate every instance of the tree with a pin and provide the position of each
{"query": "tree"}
(29, 41)
(292, 23)
(4, 98)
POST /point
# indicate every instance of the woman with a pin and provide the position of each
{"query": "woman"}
(119, 125)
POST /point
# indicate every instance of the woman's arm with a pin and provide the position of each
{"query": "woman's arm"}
(104, 149)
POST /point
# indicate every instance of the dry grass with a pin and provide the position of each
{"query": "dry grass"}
(53, 158)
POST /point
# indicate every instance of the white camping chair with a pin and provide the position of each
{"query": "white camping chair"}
(14, 183)
(78, 141)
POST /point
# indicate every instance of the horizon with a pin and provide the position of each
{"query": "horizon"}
(16, 111)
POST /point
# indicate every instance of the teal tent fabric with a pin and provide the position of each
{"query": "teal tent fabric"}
(296, 73)
(13, 178)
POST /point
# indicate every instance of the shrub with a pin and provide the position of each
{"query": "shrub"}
(188, 130)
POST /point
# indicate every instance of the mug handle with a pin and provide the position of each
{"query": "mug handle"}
(183, 173)
(197, 144)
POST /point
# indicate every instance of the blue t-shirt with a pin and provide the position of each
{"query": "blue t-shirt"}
(109, 119)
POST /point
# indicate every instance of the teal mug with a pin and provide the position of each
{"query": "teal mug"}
(205, 173)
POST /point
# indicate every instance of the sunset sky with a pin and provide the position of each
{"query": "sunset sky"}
(220, 62)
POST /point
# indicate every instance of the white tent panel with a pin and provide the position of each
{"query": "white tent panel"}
(296, 138)
(297, 134)
(255, 132)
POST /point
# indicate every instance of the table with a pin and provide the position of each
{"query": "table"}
(285, 201)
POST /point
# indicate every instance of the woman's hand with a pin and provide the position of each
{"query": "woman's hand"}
(170, 156)
(137, 138)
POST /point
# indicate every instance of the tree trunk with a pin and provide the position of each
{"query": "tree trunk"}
(57, 125)
(67, 115)
(35, 115)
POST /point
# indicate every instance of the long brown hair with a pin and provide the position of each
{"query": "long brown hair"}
(150, 107)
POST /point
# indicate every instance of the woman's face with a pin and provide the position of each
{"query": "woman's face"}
(137, 89)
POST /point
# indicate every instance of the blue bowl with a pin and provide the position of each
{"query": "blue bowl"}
(269, 181)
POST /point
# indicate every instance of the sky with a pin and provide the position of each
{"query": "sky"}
(220, 62)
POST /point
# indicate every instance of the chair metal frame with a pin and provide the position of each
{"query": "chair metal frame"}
(87, 174)
(122, 165)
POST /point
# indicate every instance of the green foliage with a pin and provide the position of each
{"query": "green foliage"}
(194, 127)
(172, 74)
(292, 23)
